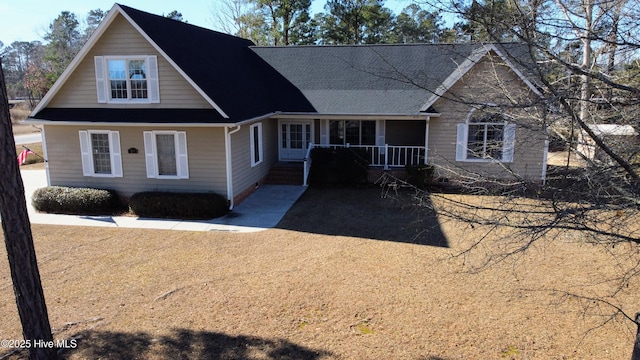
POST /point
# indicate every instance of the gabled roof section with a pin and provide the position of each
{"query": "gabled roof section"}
(506, 52)
(403, 79)
(365, 79)
(221, 67)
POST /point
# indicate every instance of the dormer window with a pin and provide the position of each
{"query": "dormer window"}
(127, 79)
(122, 79)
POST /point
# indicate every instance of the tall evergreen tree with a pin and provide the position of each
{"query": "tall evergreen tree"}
(285, 18)
(64, 41)
(491, 20)
(18, 58)
(415, 25)
(94, 17)
(356, 22)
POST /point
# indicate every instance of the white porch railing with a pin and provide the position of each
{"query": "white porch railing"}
(386, 156)
(307, 165)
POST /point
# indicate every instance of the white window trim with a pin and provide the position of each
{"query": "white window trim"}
(86, 151)
(103, 86)
(151, 154)
(462, 140)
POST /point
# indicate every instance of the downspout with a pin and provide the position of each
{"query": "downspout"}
(544, 157)
(46, 157)
(545, 153)
(227, 144)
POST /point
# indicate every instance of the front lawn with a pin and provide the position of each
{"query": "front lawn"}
(308, 291)
(34, 161)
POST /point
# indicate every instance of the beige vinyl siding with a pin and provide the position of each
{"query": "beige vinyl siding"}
(206, 158)
(79, 91)
(480, 85)
(244, 175)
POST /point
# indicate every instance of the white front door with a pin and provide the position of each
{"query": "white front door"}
(294, 138)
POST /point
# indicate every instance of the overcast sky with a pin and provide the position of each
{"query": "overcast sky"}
(28, 20)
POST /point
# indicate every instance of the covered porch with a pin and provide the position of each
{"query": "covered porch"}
(385, 156)
(396, 141)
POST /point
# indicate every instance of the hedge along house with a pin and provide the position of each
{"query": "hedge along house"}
(152, 103)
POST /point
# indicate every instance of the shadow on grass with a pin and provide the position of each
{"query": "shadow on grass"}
(186, 344)
(365, 213)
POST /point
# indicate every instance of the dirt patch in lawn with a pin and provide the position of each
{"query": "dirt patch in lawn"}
(327, 284)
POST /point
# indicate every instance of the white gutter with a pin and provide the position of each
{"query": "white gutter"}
(325, 116)
(275, 115)
(33, 121)
(227, 150)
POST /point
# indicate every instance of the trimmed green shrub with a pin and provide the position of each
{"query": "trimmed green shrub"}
(172, 205)
(346, 166)
(75, 201)
(420, 175)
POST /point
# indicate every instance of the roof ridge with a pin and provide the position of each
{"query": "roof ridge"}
(129, 10)
(471, 44)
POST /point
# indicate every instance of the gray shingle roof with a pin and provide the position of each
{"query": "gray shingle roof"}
(223, 66)
(248, 81)
(367, 79)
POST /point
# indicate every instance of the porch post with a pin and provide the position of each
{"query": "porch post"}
(307, 165)
(426, 141)
(386, 156)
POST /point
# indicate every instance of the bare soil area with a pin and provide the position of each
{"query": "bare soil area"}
(562, 158)
(346, 275)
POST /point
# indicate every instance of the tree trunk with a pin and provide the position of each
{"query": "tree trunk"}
(585, 89)
(636, 346)
(612, 40)
(19, 242)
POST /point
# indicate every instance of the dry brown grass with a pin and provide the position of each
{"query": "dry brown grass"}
(561, 158)
(34, 162)
(343, 277)
(18, 113)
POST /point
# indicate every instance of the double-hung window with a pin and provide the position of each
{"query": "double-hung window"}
(166, 154)
(256, 144)
(122, 79)
(100, 153)
(127, 78)
(485, 136)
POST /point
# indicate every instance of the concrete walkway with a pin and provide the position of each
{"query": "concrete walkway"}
(260, 211)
